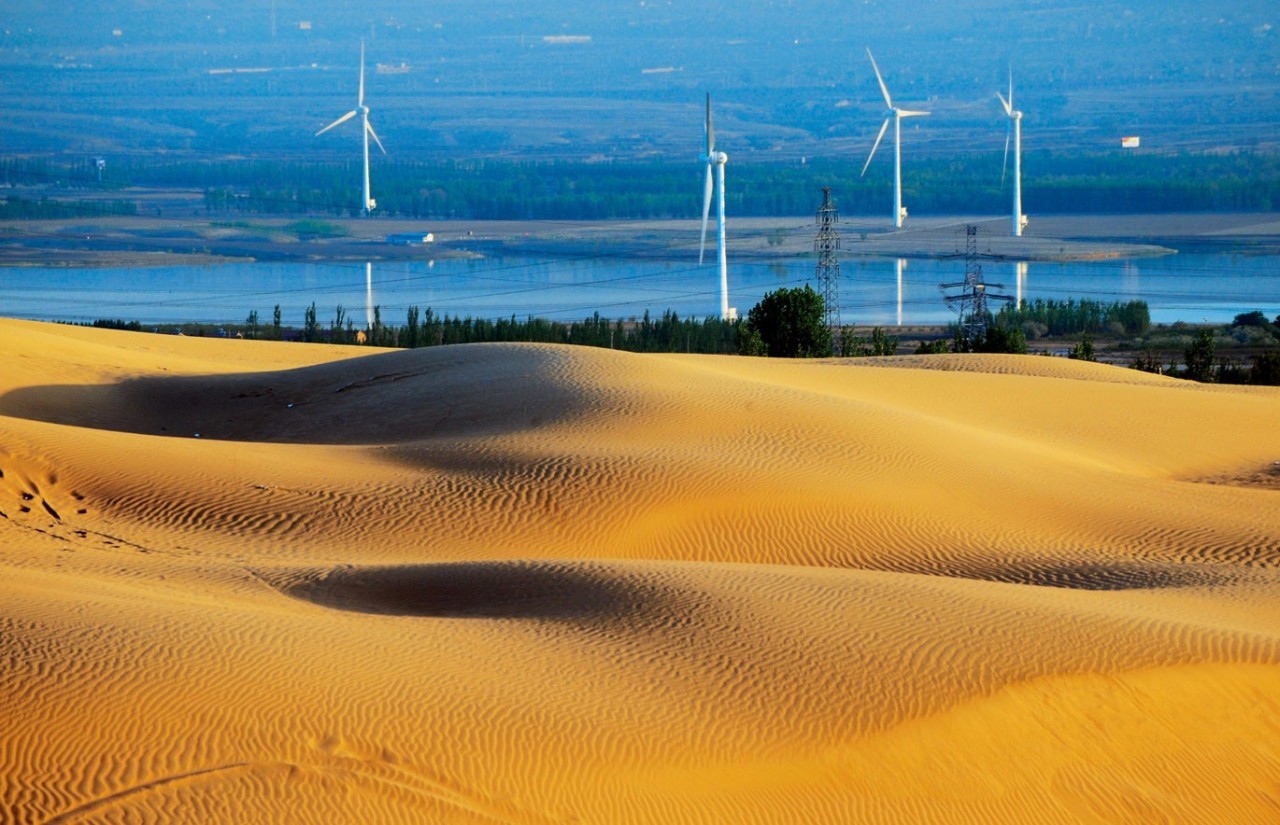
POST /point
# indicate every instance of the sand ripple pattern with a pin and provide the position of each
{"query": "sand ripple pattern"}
(537, 584)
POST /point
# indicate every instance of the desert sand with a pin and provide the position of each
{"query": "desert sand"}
(266, 582)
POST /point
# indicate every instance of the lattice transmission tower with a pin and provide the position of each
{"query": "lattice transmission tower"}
(827, 245)
(973, 301)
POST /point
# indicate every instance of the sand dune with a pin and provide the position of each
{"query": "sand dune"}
(260, 582)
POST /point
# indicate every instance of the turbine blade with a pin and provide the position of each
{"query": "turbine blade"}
(883, 89)
(706, 213)
(909, 113)
(340, 120)
(360, 100)
(709, 130)
(876, 145)
(374, 135)
(1008, 133)
(1008, 104)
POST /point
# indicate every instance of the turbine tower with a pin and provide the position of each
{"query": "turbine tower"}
(896, 115)
(717, 160)
(1014, 131)
(366, 131)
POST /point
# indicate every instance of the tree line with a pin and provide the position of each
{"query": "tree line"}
(15, 208)
(1071, 317)
(425, 328)
(580, 190)
(786, 323)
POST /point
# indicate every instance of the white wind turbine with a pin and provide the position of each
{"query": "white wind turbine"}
(366, 131)
(1014, 131)
(718, 160)
(896, 115)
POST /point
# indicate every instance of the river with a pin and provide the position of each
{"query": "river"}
(1190, 287)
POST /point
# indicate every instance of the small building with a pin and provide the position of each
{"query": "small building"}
(411, 238)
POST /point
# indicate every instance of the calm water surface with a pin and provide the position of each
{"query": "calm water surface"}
(1186, 287)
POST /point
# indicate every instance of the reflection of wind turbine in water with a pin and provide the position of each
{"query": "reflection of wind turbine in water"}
(368, 294)
(366, 131)
(900, 265)
(1022, 281)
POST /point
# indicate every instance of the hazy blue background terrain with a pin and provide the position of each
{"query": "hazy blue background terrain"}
(624, 79)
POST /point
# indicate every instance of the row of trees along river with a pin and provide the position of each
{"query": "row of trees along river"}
(786, 323)
(566, 190)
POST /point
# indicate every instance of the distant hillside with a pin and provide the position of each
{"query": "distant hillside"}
(625, 79)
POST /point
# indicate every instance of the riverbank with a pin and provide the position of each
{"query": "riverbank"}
(185, 236)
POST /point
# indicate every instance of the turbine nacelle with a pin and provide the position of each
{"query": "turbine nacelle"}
(1013, 134)
(895, 115)
(366, 132)
(715, 162)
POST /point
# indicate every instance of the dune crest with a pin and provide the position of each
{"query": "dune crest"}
(260, 582)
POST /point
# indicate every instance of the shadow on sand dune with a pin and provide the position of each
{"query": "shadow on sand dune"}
(378, 399)
(1082, 575)
(481, 590)
(583, 591)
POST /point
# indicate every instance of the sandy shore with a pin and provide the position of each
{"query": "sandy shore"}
(197, 239)
(265, 582)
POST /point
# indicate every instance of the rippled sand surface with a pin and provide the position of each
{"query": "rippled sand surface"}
(261, 582)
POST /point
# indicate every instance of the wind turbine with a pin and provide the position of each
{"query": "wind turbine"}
(1014, 131)
(366, 131)
(718, 160)
(896, 115)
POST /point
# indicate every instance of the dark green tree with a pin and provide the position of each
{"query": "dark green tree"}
(1002, 339)
(339, 320)
(413, 336)
(1250, 319)
(882, 343)
(1199, 357)
(277, 331)
(1266, 368)
(310, 329)
(791, 323)
(750, 342)
(1084, 351)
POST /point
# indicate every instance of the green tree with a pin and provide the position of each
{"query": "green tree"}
(1084, 351)
(1002, 339)
(750, 342)
(339, 320)
(882, 343)
(251, 323)
(850, 345)
(413, 336)
(1266, 368)
(791, 323)
(277, 331)
(1199, 356)
(310, 329)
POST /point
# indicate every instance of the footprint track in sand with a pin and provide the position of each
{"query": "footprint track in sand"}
(28, 496)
